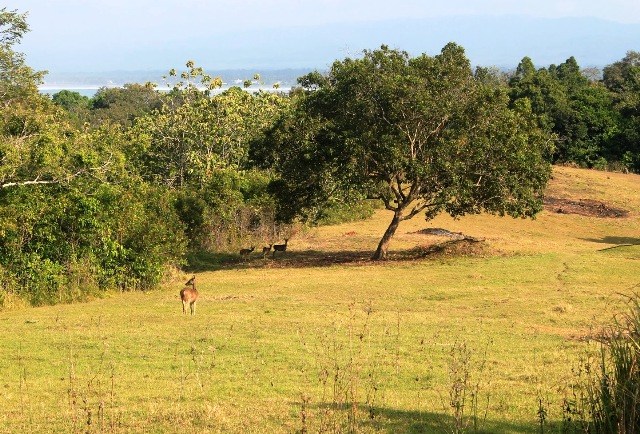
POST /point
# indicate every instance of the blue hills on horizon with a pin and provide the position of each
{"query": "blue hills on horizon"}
(283, 54)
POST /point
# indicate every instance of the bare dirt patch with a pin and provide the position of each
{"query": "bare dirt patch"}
(584, 207)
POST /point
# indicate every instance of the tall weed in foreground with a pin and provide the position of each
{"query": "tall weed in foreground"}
(343, 390)
(467, 413)
(615, 401)
(91, 395)
(610, 400)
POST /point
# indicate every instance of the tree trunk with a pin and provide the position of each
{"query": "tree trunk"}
(381, 252)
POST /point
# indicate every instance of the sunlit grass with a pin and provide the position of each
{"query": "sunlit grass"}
(281, 348)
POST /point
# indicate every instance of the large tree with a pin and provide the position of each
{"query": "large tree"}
(193, 134)
(422, 134)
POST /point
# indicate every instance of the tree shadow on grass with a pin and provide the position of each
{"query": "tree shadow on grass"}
(383, 419)
(205, 261)
(615, 240)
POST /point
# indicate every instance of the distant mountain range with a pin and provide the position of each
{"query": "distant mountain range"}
(499, 41)
(488, 41)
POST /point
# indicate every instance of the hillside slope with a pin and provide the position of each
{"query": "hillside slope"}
(301, 342)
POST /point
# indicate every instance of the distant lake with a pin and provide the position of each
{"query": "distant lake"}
(87, 84)
(84, 91)
(91, 91)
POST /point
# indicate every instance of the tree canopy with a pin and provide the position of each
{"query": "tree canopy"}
(419, 133)
(578, 111)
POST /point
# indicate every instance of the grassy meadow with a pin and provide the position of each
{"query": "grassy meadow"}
(471, 337)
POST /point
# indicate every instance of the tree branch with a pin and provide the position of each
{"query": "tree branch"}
(387, 203)
(396, 192)
(419, 208)
(67, 178)
(34, 182)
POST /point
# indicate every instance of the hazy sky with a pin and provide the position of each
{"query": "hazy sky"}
(92, 34)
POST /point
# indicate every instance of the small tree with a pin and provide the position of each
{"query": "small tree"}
(419, 134)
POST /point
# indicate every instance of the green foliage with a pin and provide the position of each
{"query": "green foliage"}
(623, 79)
(608, 397)
(420, 134)
(337, 213)
(17, 80)
(122, 105)
(589, 124)
(75, 105)
(75, 218)
(120, 237)
(194, 134)
(198, 145)
(70, 100)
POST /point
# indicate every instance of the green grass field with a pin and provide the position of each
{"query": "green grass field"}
(321, 339)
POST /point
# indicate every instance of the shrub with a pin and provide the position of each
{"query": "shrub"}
(609, 402)
(346, 212)
(614, 404)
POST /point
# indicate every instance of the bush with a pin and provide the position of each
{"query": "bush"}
(609, 402)
(60, 244)
(615, 395)
(347, 212)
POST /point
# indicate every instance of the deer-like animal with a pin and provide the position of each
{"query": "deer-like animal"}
(280, 247)
(189, 295)
(245, 252)
(266, 250)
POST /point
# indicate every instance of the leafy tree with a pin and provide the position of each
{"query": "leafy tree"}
(74, 216)
(539, 87)
(586, 121)
(420, 134)
(76, 105)
(123, 105)
(70, 100)
(198, 145)
(620, 76)
(194, 134)
(31, 131)
(17, 80)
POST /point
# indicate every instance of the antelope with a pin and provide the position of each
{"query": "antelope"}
(189, 294)
(245, 252)
(266, 250)
(280, 247)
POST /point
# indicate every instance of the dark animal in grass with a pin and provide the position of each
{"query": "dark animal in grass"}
(265, 250)
(280, 247)
(245, 252)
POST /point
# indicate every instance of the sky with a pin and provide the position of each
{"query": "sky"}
(92, 35)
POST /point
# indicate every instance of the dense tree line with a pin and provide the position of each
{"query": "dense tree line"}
(595, 119)
(114, 190)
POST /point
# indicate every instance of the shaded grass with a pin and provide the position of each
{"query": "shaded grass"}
(300, 331)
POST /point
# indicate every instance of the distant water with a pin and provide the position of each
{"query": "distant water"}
(84, 91)
(91, 91)
(87, 84)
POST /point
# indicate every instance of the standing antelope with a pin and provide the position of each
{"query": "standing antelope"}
(245, 252)
(280, 247)
(189, 294)
(266, 250)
